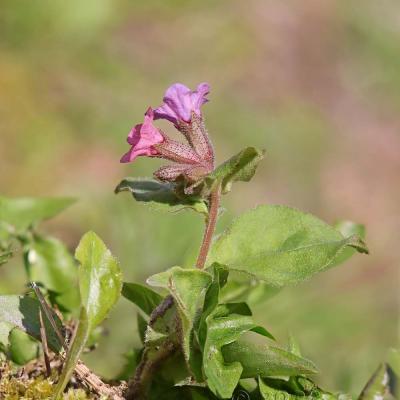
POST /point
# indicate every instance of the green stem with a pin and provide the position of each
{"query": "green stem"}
(214, 201)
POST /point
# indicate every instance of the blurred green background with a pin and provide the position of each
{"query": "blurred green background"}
(316, 83)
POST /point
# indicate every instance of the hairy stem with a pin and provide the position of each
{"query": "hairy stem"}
(210, 227)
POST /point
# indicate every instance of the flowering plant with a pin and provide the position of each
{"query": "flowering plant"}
(199, 338)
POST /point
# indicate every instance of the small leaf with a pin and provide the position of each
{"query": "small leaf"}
(265, 360)
(280, 245)
(100, 278)
(100, 283)
(378, 385)
(142, 326)
(240, 167)
(22, 348)
(293, 346)
(23, 313)
(348, 229)
(188, 287)
(145, 298)
(296, 388)
(163, 194)
(22, 212)
(49, 262)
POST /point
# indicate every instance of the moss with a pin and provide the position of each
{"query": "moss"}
(14, 387)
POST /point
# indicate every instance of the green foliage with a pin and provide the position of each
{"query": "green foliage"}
(145, 298)
(100, 283)
(50, 263)
(240, 167)
(22, 348)
(266, 360)
(23, 312)
(280, 245)
(21, 213)
(100, 279)
(162, 195)
(188, 289)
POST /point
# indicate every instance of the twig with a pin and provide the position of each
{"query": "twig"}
(45, 347)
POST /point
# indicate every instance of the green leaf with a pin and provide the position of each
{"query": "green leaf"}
(378, 385)
(240, 167)
(223, 375)
(100, 278)
(245, 287)
(188, 287)
(280, 245)
(145, 298)
(22, 348)
(22, 212)
(265, 360)
(162, 194)
(49, 262)
(221, 324)
(293, 346)
(295, 388)
(100, 283)
(23, 313)
(141, 326)
(348, 229)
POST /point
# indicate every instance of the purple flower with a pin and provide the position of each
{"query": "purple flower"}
(180, 102)
(143, 137)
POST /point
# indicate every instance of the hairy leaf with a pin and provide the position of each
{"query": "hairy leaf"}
(223, 375)
(163, 194)
(280, 245)
(240, 167)
(188, 287)
(23, 312)
(145, 298)
(265, 360)
(348, 229)
(49, 262)
(296, 388)
(22, 212)
(100, 283)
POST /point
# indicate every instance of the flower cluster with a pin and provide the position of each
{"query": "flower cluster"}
(182, 107)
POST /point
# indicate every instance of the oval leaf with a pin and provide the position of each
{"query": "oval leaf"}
(266, 360)
(240, 167)
(100, 278)
(280, 245)
(161, 193)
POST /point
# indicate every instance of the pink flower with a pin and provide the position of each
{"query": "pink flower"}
(143, 138)
(180, 102)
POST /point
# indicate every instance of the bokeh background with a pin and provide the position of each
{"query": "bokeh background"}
(316, 83)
